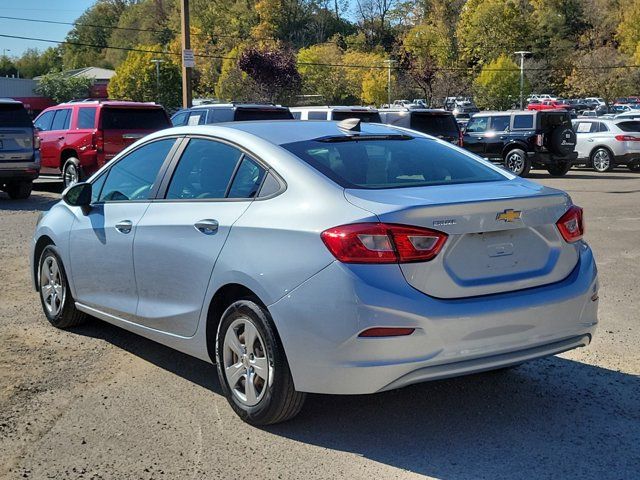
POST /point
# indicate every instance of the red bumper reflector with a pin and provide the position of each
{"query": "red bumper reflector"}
(387, 332)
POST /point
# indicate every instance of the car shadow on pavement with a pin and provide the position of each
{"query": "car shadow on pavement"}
(586, 176)
(34, 203)
(550, 418)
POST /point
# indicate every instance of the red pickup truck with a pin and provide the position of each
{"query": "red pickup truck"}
(549, 105)
(77, 138)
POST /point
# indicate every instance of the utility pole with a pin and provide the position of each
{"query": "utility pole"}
(522, 54)
(186, 46)
(389, 62)
(157, 61)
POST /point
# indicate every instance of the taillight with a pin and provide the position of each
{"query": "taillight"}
(540, 140)
(98, 141)
(627, 138)
(387, 332)
(383, 243)
(571, 224)
(36, 141)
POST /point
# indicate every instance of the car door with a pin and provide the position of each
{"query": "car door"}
(496, 136)
(47, 147)
(181, 235)
(474, 134)
(101, 240)
(584, 137)
(53, 141)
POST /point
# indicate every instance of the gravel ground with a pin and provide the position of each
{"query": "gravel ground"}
(100, 403)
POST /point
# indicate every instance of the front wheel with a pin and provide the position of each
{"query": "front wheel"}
(559, 169)
(252, 366)
(70, 172)
(517, 162)
(57, 303)
(601, 160)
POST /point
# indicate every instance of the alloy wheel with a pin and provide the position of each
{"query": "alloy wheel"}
(70, 175)
(52, 287)
(246, 364)
(514, 163)
(601, 161)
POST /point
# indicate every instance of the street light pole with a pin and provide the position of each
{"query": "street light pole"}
(522, 54)
(186, 45)
(389, 63)
(157, 61)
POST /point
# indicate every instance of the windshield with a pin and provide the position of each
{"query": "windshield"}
(14, 115)
(134, 119)
(373, 117)
(392, 163)
(263, 114)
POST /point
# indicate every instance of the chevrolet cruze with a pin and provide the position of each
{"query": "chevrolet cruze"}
(337, 258)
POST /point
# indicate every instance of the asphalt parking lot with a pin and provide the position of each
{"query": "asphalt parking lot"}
(97, 402)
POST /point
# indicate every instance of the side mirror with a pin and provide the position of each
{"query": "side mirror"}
(78, 195)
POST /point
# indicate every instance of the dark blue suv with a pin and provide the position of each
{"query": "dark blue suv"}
(229, 112)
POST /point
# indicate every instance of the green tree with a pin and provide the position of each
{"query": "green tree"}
(498, 85)
(61, 88)
(234, 84)
(7, 67)
(328, 81)
(33, 62)
(488, 29)
(368, 85)
(136, 79)
(628, 32)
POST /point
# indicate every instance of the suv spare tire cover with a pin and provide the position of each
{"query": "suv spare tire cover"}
(563, 140)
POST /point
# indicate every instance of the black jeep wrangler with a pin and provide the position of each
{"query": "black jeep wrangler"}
(522, 140)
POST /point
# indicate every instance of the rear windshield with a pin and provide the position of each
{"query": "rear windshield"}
(262, 114)
(14, 115)
(392, 163)
(437, 125)
(556, 119)
(134, 119)
(629, 126)
(371, 117)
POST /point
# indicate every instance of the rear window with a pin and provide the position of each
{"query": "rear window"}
(391, 163)
(438, 125)
(371, 117)
(134, 119)
(14, 115)
(629, 126)
(262, 114)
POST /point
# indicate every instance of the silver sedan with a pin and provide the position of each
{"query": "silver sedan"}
(339, 258)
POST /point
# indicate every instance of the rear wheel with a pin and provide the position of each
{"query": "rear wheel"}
(57, 303)
(71, 172)
(559, 169)
(601, 160)
(517, 162)
(634, 167)
(19, 190)
(252, 366)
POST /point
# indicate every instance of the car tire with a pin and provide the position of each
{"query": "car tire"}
(71, 172)
(602, 160)
(517, 162)
(57, 303)
(559, 169)
(634, 167)
(19, 190)
(272, 397)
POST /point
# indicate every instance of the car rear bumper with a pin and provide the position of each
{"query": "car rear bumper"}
(548, 158)
(19, 171)
(319, 323)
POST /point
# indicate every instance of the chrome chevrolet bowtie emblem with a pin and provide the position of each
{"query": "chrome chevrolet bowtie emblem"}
(509, 215)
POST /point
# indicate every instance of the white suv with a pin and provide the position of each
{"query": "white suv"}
(337, 113)
(605, 144)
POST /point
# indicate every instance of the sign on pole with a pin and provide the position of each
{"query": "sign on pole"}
(188, 60)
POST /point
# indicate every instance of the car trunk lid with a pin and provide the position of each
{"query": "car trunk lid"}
(502, 235)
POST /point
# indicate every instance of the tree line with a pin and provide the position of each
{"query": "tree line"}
(342, 51)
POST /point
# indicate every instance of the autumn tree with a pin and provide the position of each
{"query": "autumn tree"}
(628, 33)
(273, 69)
(320, 76)
(136, 78)
(61, 88)
(498, 85)
(366, 76)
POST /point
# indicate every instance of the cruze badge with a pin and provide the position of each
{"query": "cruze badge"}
(509, 215)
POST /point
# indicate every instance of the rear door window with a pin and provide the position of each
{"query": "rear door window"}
(197, 117)
(14, 115)
(316, 115)
(434, 124)
(500, 124)
(61, 119)
(134, 119)
(86, 117)
(217, 115)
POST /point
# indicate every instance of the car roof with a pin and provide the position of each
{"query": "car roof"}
(418, 110)
(507, 112)
(111, 103)
(287, 131)
(9, 101)
(236, 105)
(346, 108)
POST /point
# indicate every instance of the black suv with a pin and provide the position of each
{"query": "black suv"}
(522, 140)
(229, 112)
(438, 123)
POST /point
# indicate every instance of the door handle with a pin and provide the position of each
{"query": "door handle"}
(207, 226)
(589, 139)
(124, 226)
(61, 137)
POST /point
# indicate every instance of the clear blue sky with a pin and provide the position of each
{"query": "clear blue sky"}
(57, 10)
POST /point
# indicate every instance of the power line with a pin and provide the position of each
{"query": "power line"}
(78, 24)
(316, 64)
